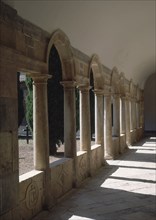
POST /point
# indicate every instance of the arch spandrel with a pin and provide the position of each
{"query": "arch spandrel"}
(61, 42)
(122, 83)
(115, 80)
(96, 67)
(131, 89)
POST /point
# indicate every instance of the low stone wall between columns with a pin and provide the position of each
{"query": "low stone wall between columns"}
(31, 194)
(61, 178)
(96, 162)
(116, 146)
(123, 145)
(82, 169)
(133, 134)
(139, 133)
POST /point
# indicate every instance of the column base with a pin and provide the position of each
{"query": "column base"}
(109, 157)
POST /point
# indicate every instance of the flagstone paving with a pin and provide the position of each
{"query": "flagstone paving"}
(124, 189)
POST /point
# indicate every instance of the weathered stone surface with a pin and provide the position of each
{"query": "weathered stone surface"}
(8, 114)
(31, 194)
(82, 166)
(9, 191)
(61, 177)
(6, 150)
(96, 162)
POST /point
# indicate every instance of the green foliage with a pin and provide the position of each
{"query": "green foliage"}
(29, 103)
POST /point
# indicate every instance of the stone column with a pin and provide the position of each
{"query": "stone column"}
(134, 113)
(122, 116)
(127, 117)
(131, 115)
(69, 119)
(40, 122)
(116, 114)
(98, 116)
(41, 129)
(85, 139)
(99, 133)
(85, 134)
(137, 114)
(108, 146)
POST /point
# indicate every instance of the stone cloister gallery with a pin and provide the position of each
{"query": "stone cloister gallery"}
(118, 116)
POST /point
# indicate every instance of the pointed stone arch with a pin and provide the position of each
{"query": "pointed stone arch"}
(61, 42)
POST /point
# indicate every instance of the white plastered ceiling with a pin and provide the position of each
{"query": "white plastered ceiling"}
(122, 33)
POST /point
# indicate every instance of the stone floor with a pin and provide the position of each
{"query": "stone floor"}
(125, 189)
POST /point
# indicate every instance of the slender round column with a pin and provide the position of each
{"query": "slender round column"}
(40, 122)
(98, 116)
(109, 152)
(69, 119)
(122, 116)
(116, 113)
(127, 117)
(99, 121)
(85, 139)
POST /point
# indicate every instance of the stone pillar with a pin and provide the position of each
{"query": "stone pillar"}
(98, 116)
(85, 139)
(9, 157)
(122, 116)
(40, 122)
(134, 113)
(116, 116)
(85, 134)
(131, 115)
(137, 114)
(99, 133)
(127, 117)
(108, 146)
(69, 119)
(41, 129)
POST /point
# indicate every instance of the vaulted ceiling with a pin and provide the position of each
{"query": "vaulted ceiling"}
(122, 33)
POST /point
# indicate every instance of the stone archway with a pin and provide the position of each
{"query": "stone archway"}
(96, 97)
(61, 43)
(55, 102)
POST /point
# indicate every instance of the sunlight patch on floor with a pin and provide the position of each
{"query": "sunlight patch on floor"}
(76, 217)
(129, 186)
(150, 144)
(152, 138)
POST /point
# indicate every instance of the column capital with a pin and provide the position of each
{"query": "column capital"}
(84, 88)
(68, 84)
(123, 97)
(40, 78)
(107, 94)
(99, 92)
(116, 95)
